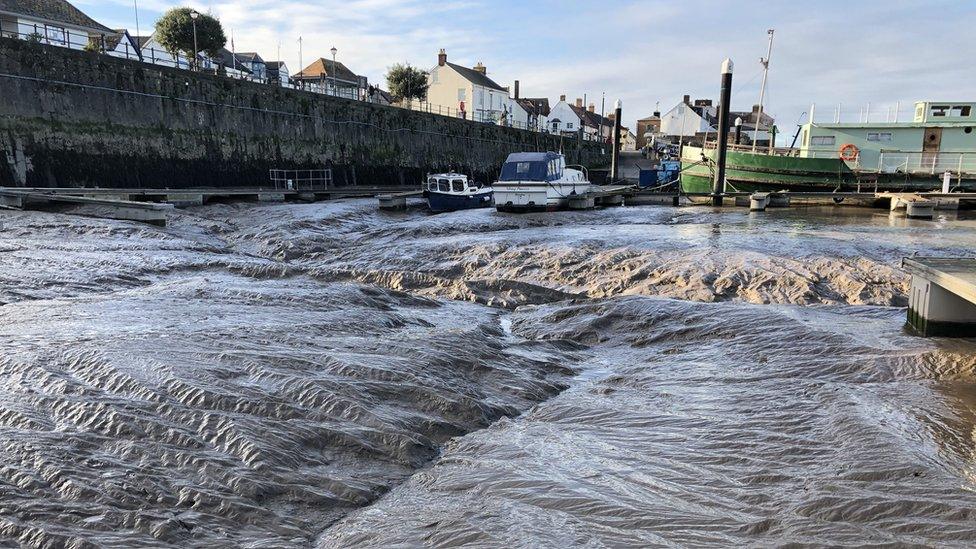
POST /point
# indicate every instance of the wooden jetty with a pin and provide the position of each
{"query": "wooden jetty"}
(108, 207)
(943, 296)
(152, 205)
(397, 200)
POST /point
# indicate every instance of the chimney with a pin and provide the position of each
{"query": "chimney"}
(657, 114)
(562, 97)
(579, 102)
(442, 58)
(703, 102)
(481, 68)
(591, 108)
(516, 89)
(687, 100)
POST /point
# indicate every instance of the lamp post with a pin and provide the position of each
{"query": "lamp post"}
(738, 129)
(335, 86)
(193, 17)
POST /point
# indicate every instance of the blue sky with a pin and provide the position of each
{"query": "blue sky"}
(642, 52)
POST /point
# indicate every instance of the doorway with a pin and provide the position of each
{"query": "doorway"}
(931, 143)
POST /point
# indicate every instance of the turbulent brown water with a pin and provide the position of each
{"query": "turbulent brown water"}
(329, 375)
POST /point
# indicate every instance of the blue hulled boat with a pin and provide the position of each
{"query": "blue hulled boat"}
(447, 192)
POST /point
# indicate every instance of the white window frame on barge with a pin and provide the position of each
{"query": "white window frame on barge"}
(880, 137)
(823, 140)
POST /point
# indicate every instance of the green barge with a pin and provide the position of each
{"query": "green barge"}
(936, 146)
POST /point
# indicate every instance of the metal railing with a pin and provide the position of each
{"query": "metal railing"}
(301, 180)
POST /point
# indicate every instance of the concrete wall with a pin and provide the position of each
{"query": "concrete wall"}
(74, 118)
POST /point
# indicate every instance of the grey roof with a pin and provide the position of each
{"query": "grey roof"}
(535, 105)
(228, 59)
(250, 57)
(590, 119)
(476, 77)
(58, 11)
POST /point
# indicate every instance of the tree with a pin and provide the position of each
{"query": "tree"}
(407, 82)
(174, 31)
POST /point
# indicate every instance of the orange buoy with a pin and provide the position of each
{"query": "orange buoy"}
(849, 152)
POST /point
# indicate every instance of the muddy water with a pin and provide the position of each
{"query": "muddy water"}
(328, 375)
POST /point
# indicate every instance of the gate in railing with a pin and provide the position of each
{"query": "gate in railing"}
(301, 180)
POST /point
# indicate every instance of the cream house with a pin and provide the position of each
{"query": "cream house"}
(469, 92)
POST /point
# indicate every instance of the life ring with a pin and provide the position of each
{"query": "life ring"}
(849, 152)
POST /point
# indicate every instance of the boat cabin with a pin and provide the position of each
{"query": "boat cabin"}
(454, 183)
(547, 166)
(940, 137)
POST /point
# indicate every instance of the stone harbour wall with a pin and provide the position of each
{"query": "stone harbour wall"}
(74, 118)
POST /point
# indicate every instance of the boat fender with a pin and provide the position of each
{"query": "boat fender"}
(849, 152)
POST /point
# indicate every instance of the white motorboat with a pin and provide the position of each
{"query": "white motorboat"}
(538, 182)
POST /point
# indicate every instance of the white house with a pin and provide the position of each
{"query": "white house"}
(469, 92)
(568, 118)
(123, 45)
(154, 52)
(700, 119)
(53, 22)
(278, 73)
(687, 120)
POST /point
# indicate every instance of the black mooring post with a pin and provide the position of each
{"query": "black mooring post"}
(615, 166)
(718, 186)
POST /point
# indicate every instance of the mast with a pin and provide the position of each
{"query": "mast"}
(762, 89)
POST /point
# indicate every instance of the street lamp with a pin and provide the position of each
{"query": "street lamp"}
(335, 87)
(193, 17)
(738, 129)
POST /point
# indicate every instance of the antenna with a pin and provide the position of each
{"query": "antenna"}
(762, 89)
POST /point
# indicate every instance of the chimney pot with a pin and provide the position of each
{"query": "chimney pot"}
(579, 102)
(516, 89)
(562, 97)
(442, 58)
(480, 67)
(591, 108)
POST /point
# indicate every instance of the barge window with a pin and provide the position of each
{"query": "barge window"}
(939, 110)
(443, 186)
(960, 111)
(823, 140)
(879, 136)
(457, 185)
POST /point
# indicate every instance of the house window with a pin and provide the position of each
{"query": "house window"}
(569, 125)
(434, 78)
(823, 141)
(462, 94)
(879, 136)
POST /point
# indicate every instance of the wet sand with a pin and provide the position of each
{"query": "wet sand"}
(329, 375)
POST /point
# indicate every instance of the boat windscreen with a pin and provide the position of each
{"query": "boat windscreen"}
(457, 185)
(443, 186)
(524, 171)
